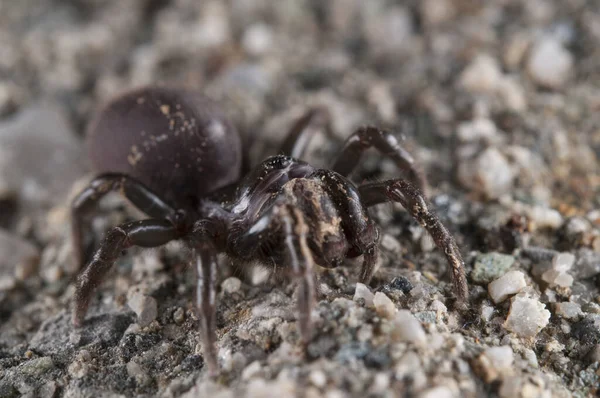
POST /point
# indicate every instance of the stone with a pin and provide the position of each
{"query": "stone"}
(478, 129)
(512, 93)
(435, 12)
(549, 64)
(231, 285)
(407, 328)
(489, 174)
(495, 363)
(19, 257)
(510, 283)
(144, 306)
(482, 75)
(257, 39)
(557, 274)
(490, 266)
(587, 264)
(527, 316)
(41, 155)
(383, 305)
(438, 392)
(362, 291)
(401, 283)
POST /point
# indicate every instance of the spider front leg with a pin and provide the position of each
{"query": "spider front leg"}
(360, 229)
(204, 257)
(145, 233)
(386, 143)
(287, 222)
(136, 192)
(419, 208)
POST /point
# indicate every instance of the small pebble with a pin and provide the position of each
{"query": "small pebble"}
(257, 39)
(19, 257)
(362, 291)
(231, 285)
(489, 174)
(527, 316)
(318, 378)
(438, 392)
(179, 315)
(510, 283)
(495, 363)
(479, 129)
(408, 328)
(137, 372)
(549, 63)
(144, 306)
(401, 283)
(383, 305)
(568, 310)
(482, 75)
(491, 266)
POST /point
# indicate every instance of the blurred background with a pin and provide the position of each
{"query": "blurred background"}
(498, 100)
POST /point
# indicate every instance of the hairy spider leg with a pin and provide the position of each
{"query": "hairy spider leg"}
(303, 130)
(360, 230)
(419, 208)
(136, 192)
(298, 256)
(386, 143)
(144, 233)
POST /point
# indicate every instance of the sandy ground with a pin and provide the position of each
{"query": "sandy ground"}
(498, 100)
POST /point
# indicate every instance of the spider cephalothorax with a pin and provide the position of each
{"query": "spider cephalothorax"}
(176, 158)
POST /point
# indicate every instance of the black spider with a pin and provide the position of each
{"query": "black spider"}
(175, 156)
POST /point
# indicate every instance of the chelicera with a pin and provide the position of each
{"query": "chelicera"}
(174, 156)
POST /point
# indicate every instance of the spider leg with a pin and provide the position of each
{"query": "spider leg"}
(302, 264)
(136, 192)
(360, 229)
(297, 256)
(386, 143)
(303, 130)
(204, 257)
(417, 205)
(145, 233)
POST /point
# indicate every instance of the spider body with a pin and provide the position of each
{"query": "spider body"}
(285, 212)
(176, 142)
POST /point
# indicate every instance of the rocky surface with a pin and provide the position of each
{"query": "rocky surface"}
(498, 100)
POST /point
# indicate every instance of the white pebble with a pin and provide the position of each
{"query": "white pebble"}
(231, 285)
(549, 63)
(482, 75)
(478, 129)
(557, 278)
(508, 284)
(318, 378)
(544, 217)
(383, 305)
(362, 291)
(568, 310)
(437, 392)
(563, 262)
(496, 362)
(527, 316)
(489, 174)
(144, 306)
(257, 39)
(408, 328)
(512, 94)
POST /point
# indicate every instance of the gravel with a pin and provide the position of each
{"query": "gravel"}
(527, 316)
(498, 103)
(510, 283)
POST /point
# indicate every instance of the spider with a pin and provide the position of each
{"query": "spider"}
(173, 154)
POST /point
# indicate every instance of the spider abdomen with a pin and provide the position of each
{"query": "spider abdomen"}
(175, 141)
